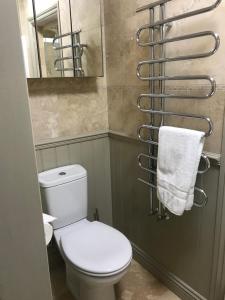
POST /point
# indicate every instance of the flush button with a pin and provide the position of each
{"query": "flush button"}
(62, 173)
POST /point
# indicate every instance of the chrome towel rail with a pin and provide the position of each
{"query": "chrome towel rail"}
(77, 51)
(153, 103)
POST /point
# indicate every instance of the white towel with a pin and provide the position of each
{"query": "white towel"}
(179, 155)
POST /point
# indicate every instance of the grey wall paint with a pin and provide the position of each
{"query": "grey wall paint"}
(93, 154)
(217, 290)
(182, 246)
(23, 258)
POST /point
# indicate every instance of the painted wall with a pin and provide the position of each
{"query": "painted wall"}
(24, 270)
(178, 251)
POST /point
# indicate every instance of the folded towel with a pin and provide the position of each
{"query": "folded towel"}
(179, 155)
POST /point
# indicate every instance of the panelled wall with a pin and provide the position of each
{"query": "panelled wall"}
(178, 251)
(92, 152)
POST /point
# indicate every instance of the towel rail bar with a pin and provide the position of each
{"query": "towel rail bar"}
(185, 57)
(214, 35)
(174, 96)
(166, 113)
(198, 190)
(143, 156)
(210, 79)
(60, 37)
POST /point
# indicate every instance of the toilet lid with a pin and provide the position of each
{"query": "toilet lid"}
(97, 248)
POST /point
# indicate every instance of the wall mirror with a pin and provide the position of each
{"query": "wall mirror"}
(61, 38)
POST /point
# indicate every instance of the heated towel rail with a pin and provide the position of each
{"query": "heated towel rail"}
(76, 53)
(156, 32)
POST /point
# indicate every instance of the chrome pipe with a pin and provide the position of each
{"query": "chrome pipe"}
(183, 38)
(142, 157)
(185, 57)
(178, 17)
(150, 6)
(197, 190)
(207, 78)
(184, 115)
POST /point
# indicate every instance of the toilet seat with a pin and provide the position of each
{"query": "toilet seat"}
(96, 249)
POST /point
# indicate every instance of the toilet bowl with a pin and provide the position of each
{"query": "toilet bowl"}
(96, 255)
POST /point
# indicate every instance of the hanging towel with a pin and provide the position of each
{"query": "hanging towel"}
(179, 154)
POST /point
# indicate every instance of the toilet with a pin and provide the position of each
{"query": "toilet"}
(96, 255)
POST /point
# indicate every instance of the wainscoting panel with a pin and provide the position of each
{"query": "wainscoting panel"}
(92, 153)
(180, 249)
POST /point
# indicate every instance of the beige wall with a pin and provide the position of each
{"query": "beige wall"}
(123, 55)
(66, 107)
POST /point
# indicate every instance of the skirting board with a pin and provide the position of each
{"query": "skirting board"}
(175, 284)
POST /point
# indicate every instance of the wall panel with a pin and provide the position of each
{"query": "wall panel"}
(182, 246)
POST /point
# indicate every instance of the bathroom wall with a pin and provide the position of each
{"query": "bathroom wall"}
(62, 108)
(122, 56)
(68, 107)
(24, 272)
(180, 251)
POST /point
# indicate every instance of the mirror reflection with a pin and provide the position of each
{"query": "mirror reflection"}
(61, 38)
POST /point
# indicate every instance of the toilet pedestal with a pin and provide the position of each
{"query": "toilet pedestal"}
(85, 287)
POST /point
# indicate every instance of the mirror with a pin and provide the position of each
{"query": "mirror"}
(28, 37)
(61, 38)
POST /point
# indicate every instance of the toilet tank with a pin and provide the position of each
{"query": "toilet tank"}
(64, 194)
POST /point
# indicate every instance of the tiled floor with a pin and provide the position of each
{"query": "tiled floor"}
(138, 284)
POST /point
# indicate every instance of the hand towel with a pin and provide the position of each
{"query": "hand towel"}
(179, 155)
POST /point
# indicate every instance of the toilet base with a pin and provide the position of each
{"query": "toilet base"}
(85, 287)
(85, 292)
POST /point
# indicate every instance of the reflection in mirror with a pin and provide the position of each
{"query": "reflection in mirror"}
(47, 25)
(28, 37)
(86, 17)
(68, 38)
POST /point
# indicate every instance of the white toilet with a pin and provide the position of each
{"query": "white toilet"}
(97, 256)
